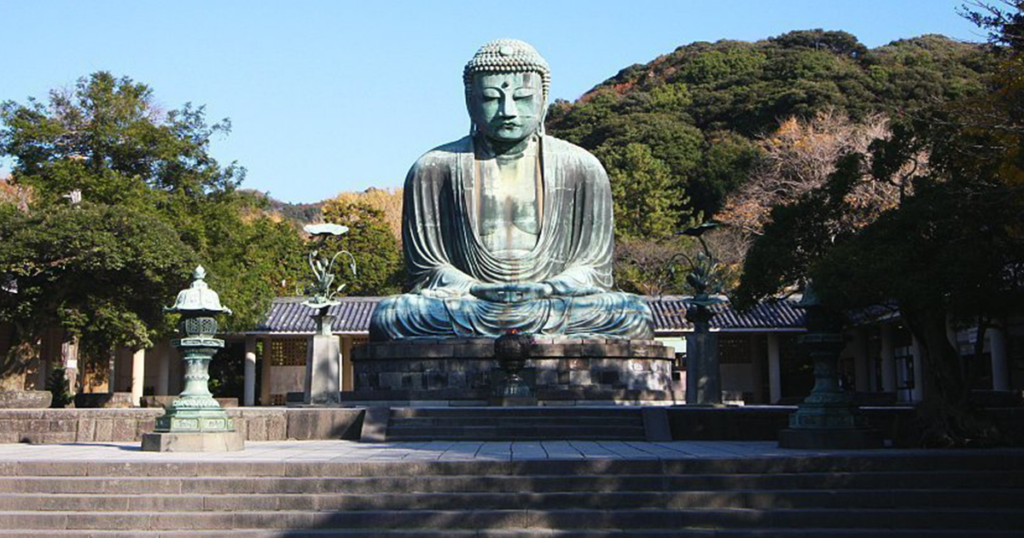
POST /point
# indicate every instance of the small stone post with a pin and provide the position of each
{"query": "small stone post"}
(323, 363)
(703, 378)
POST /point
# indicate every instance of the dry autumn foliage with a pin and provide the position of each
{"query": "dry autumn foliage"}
(11, 193)
(800, 155)
(387, 200)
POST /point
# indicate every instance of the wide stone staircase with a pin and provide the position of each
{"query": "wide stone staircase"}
(868, 495)
(515, 423)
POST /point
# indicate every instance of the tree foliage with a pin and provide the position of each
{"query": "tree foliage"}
(702, 108)
(154, 204)
(952, 247)
(101, 272)
(379, 266)
(800, 156)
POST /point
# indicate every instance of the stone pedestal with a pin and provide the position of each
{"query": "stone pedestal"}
(514, 401)
(323, 363)
(703, 378)
(193, 442)
(557, 370)
(703, 373)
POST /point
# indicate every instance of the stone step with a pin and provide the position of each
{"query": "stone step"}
(752, 499)
(522, 533)
(517, 421)
(515, 424)
(522, 519)
(903, 465)
(128, 485)
(537, 412)
(516, 433)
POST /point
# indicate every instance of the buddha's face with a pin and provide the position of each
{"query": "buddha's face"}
(507, 107)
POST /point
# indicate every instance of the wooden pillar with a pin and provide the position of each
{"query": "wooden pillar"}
(138, 375)
(915, 348)
(43, 354)
(888, 359)
(774, 369)
(69, 358)
(1000, 364)
(347, 373)
(757, 360)
(265, 372)
(249, 397)
(163, 372)
(860, 360)
(112, 371)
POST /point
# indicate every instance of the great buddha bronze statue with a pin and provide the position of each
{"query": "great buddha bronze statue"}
(508, 228)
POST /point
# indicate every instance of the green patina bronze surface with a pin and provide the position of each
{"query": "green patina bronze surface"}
(828, 406)
(322, 290)
(507, 228)
(196, 410)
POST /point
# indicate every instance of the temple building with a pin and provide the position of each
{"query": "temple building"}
(760, 360)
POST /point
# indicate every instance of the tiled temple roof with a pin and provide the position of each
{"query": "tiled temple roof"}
(288, 316)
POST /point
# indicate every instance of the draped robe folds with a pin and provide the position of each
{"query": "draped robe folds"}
(445, 257)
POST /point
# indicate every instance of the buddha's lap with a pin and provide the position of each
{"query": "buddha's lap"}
(413, 303)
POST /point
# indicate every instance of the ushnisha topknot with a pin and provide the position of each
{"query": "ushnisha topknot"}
(507, 56)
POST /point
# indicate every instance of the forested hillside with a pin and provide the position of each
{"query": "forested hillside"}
(686, 125)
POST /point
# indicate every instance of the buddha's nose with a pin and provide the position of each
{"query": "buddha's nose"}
(508, 107)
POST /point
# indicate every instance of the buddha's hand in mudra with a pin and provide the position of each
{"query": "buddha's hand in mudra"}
(511, 293)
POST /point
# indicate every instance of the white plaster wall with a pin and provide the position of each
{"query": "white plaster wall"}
(285, 379)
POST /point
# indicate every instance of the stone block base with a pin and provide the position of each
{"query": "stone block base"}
(104, 400)
(445, 369)
(192, 442)
(830, 438)
(514, 401)
(25, 399)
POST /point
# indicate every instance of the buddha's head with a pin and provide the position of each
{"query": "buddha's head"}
(507, 90)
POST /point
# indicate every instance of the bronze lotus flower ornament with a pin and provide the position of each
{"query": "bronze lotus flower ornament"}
(322, 290)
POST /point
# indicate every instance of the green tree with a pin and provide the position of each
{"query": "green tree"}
(952, 247)
(99, 271)
(746, 88)
(106, 139)
(378, 259)
(645, 202)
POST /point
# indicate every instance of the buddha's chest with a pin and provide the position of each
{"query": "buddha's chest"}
(509, 197)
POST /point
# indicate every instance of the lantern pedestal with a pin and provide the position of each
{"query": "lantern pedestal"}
(193, 442)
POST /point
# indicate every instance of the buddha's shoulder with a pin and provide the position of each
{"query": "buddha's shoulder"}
(445, 154)
(568, 151)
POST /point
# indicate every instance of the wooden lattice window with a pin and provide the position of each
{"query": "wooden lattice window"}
(733, 349)
(288, 352)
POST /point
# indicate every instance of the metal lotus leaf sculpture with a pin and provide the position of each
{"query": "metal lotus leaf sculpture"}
(322, 290)
(705, 271)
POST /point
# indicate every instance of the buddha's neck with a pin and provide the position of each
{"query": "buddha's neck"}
(505, 151)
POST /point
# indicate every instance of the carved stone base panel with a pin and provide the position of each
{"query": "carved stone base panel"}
(195, 421)
(468, 368)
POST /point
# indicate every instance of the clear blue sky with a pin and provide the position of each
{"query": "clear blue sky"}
(331, 96)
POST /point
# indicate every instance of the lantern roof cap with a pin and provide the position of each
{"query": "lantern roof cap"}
(198, 297)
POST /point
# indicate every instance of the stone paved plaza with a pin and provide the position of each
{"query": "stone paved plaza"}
(348, 451)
